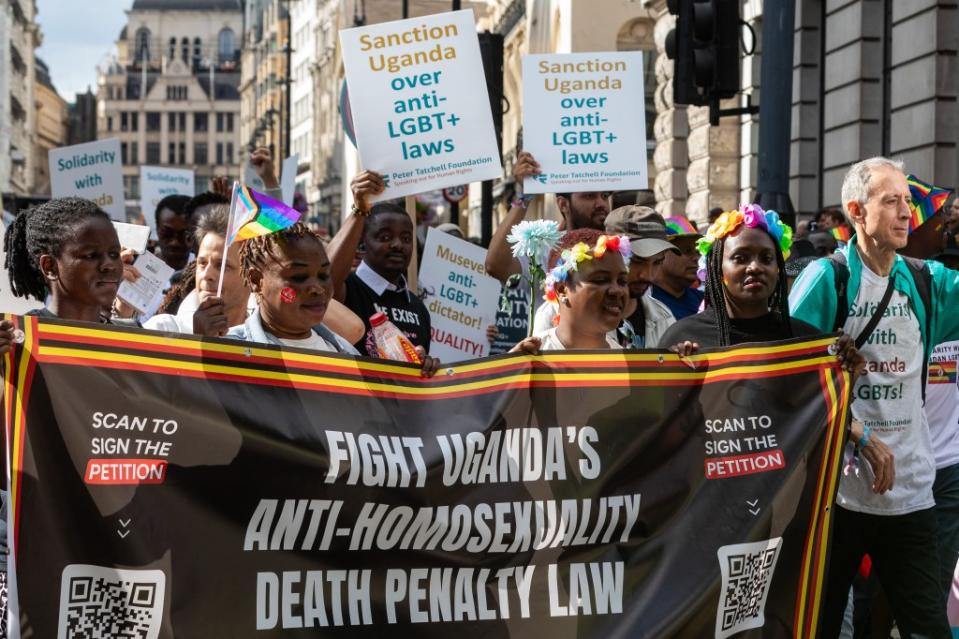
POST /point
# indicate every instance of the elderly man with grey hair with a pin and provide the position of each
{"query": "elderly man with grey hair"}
(897, 309)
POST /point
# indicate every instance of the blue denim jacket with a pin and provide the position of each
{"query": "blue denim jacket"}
(252, 331)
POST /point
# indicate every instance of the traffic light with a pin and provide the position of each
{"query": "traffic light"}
(705, 47)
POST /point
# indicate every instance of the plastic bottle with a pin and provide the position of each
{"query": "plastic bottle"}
(391, 343)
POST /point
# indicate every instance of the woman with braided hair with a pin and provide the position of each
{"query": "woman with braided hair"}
(65, 253)
(288, 273)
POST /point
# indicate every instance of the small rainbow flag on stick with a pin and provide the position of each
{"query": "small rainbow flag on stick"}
(842, 233)
(680, 226)
(253, 214)
(926, 201)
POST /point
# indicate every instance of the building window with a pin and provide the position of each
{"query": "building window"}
(134, 153)
(142, 45)
(124, 125)
(109, 123)
(197, 52)
(229, 122)
(182, 121)
(134, 121)
(219, 153)
(171, 54)
(176, 93)
(226, 46)
(181, 147)
(123, 153)
(199, 153)
(171, 153)
(185, 50)
(229, 153)
(202, 184)
(200, 121)
(153, 153)
(171, 121)
(131, 185)
(153, 121)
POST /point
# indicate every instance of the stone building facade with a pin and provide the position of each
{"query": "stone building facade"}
(19, 39)
(870, 77)
(170, 94)
(52, 119)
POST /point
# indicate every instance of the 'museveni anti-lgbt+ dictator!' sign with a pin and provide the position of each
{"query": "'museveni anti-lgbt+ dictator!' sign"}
(189, 487)
(584, 122)
(419, 103)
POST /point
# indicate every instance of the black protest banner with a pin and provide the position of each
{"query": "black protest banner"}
(169, 487)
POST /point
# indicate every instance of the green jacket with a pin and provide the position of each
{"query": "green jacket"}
(813, 296)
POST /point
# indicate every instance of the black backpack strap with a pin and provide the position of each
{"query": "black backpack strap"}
(922, 278)
(841, 276)
(877, 315)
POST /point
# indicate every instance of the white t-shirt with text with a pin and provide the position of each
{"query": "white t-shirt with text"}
(942, 403)
(888, 399)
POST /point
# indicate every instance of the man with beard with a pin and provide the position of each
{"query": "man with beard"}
(579, 211)
(674, 282)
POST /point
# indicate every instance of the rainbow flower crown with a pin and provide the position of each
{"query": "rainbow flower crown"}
(570, 258)
(748, 215)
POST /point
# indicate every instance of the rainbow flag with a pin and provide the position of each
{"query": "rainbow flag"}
(253, 214)
(926, 201)
(942, 373)
(680, 226)
(842, 233)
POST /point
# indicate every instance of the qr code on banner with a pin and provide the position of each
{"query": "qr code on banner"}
(97, 602)
(747, 571)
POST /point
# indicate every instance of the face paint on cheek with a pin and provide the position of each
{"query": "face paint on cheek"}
(287, 295)
(725, 281)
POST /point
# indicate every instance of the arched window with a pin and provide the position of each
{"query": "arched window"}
(172, 53)
(142, 45)
(185, 50)
(226, 45)
(197, 52)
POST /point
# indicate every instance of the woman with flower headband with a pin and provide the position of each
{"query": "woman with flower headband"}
(588, 283)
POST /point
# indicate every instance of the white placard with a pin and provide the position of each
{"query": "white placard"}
(154, 278)
(584, 121)
(419, 103)
(157, 182)
(251, 179)
(93, 171)
(288, 178)
(132, 236)
(461, 297)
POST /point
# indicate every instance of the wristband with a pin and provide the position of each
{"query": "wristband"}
(355, 210)
(864, 440)
(522, 201)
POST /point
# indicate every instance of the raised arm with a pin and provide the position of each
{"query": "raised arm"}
(500, 262)
(342, 247)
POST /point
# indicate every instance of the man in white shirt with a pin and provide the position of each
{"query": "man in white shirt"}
(878, 301)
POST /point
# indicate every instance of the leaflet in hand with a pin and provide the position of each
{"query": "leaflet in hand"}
(154, 278)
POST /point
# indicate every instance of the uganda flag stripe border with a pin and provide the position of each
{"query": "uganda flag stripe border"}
(54, 342)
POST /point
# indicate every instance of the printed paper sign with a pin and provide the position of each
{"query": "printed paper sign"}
(584, 121)
(419, 103)
(132, 236)
(157, 182)
(288, 178)
(461, 297)
(92, 171)
(154, 277)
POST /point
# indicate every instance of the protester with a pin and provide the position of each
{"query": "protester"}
(942, 413)
(579, 210)
(198, 206)
(199, 310)
(824, 243)
(949, 257)
(646, 318)
(65, 253)
(880, 300)
(801, 255)
(673, 282)
(172, 227)
(588, 284)
(379, 283)
(828, 218)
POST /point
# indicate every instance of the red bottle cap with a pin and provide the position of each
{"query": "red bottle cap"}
(378, 319)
